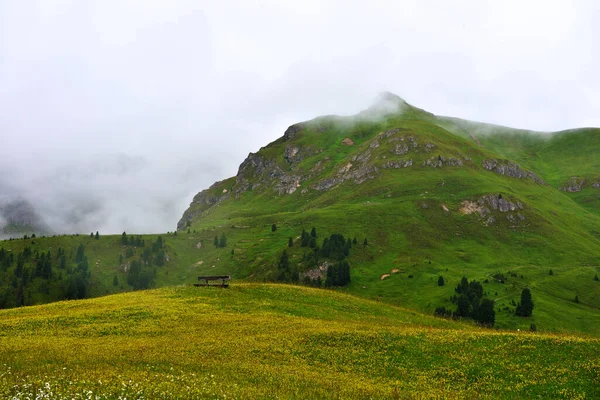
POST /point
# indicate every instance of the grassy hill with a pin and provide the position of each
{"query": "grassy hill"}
(558, 157)
(423, 190)
(268, 341)
(432, 196)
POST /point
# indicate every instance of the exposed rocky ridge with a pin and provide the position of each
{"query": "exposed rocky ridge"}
(203, 200)
(358, 170)
(254, 171)
(291, 131)
(509, 168)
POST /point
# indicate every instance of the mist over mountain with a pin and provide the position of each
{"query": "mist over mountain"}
(109, 193)
(112, 117)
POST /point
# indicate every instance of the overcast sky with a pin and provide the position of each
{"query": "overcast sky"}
(113, 114)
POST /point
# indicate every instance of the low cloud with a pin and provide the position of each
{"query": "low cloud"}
(115, 114)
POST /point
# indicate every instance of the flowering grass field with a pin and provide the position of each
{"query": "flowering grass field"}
(276, 341)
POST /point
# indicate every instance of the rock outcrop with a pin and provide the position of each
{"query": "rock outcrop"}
(486, 205)
(575, 184)
(292, 131)
(358, 170)
(509, 168)
(202, 201)
(398, 164)
(255, 171)
(439, 162)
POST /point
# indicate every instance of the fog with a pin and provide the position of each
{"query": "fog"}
(115, 113)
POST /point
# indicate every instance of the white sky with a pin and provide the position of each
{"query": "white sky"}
(113, 114)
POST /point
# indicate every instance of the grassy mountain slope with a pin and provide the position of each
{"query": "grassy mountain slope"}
(428, 198)
(267, 341)
(410, 187)
(563, 159)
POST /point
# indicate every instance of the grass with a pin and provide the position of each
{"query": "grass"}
(402, 215)
(276, 341)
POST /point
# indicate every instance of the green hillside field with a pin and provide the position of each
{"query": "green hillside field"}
(276, 341)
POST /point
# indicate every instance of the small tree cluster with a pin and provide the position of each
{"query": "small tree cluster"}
(220, 242)
(309, 240)
(138, 277)
(336, 247)
(471, 303)
(338, 274)
(136, 241)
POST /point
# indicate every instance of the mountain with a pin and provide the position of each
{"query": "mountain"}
(433, 196)
(394, 204)
(18, 217)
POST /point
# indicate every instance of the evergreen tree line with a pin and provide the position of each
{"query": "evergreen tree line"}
(29, 276)
(135, 241)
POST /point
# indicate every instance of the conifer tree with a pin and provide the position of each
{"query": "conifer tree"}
(80, 253)
(525, 307)
(305, 238)
(485, 313)
(313, 232)
(290, 242)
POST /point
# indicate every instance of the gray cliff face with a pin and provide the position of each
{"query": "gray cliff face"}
(292, 131)
(509, 168)
(254, 172)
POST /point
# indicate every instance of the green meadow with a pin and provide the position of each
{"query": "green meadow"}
(276, 341)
